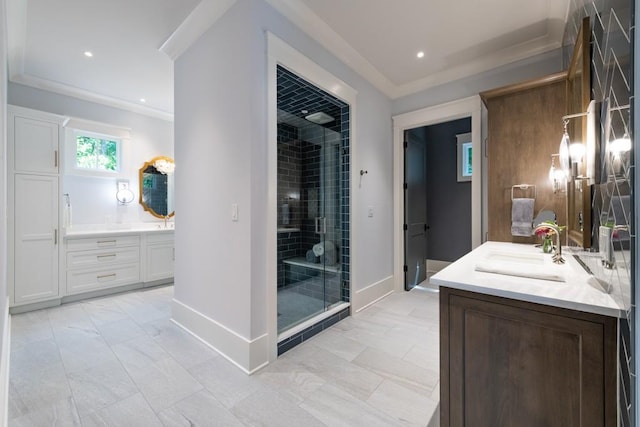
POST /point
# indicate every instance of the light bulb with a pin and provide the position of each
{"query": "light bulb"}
(620, 145)
(576, 151)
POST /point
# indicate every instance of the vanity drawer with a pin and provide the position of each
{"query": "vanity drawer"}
(102, 242)
(160, 237)
(102, 257)
(100, 278)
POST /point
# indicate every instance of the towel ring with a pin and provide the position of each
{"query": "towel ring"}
(523, 187)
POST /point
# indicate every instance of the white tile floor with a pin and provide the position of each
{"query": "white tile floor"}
(120, 361)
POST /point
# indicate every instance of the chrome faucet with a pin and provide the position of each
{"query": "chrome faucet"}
(557, 255)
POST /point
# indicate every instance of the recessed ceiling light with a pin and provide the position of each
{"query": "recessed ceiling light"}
(88, 54)
(143, 100)
(420, 54)
(304, 111)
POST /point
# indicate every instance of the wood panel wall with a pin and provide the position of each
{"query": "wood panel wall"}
(524, 129)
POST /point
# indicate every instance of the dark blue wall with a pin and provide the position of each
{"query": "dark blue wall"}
(448, 201)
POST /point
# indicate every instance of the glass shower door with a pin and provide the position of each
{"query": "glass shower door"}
(311, 281)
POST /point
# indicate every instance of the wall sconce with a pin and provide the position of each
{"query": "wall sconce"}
(124, 195)
(572, 155)
(618, 149)
(557, 176)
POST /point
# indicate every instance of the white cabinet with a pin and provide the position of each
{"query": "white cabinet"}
(97, 263)
(33, 205)
(159, 256)
(35, 238)
(36, 145)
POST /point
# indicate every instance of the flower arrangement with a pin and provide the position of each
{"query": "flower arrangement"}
(545, 233)
(165, 167)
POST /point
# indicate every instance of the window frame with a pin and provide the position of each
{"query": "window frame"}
(72, 149)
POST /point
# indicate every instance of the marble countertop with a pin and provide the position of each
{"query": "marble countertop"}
(90, 230)
(581, 291)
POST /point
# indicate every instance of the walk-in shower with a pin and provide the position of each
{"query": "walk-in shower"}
(313, 209)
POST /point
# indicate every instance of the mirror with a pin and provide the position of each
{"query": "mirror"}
(578, 98)
(157, 187)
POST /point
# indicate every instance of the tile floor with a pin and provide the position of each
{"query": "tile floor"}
(120, 361)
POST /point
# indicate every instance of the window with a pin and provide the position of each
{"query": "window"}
(95, 152)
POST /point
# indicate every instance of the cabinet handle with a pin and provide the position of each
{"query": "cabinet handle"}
(106, 242)
(55, 158)
(106, 256)
(104, 276)
(55, 236)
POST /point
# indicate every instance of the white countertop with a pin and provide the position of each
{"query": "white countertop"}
(580, 291)
(90, 230)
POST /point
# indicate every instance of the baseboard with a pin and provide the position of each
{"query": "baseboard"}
(4, 367)
(248, 355)
(373, 293)
(433, 265)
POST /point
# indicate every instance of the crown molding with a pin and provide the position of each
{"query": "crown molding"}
(62, 89)
(303, 17)
(203, 16)
(486, 63)
(316, 28)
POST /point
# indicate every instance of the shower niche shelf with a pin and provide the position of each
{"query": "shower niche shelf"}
(302, 262)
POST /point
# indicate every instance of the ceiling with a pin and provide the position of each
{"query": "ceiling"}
(134, 41)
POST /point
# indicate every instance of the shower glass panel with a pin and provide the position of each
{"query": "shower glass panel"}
(309, 229)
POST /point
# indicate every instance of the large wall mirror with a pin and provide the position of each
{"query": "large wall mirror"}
(157, 190)
(578, 99)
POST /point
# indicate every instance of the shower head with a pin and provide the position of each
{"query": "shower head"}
(319, 118)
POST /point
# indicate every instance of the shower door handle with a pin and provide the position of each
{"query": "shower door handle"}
(321, 225)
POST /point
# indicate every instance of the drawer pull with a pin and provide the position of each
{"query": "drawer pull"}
(106, 276)
(106, 242)
(102, 257)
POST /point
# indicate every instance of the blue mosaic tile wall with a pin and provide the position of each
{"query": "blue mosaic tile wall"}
(612, 85)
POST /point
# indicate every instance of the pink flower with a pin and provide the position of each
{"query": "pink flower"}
(543, 232)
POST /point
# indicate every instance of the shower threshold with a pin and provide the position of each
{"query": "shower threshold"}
(336, 308)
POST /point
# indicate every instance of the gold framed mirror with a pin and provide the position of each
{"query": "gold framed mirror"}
(578, 98)
(157, 194)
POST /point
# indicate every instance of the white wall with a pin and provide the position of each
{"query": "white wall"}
(93, 198)
(220, 121)
(5, 322)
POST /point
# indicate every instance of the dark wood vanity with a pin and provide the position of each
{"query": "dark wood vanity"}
(505, 362)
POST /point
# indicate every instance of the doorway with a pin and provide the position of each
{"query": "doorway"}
(464, 108)
(437, 199)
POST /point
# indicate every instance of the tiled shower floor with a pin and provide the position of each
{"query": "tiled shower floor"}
(120, 361)
(294, 307)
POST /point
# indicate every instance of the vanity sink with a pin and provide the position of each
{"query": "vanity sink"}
(530, 265)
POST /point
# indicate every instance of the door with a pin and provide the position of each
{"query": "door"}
(36, 238)
(415, 210)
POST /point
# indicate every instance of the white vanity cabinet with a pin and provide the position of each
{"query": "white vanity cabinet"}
(95, 263)
(33, 200)
(159, 256)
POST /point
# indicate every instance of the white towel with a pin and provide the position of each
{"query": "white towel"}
(522, 217)
(318, 249)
